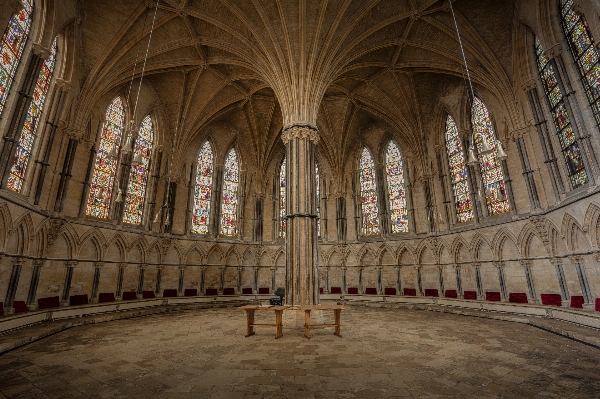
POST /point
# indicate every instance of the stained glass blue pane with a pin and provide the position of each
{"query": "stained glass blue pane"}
(138, 176)
(396, 192)
(282, 198)
(203, 190)
(229, 199)
(318, 199)
(368, 191)
(458, 172)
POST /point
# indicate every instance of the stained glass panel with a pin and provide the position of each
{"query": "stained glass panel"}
(282, 198)
(458, 172)
(13, 42)
(561, 119)
(584, 52)
(491, 169)
(138, 176)
(29, 130)
(396, 191)
(318, 202)
(203, 190)
(105, 167)
(229, 200)
(368, 192)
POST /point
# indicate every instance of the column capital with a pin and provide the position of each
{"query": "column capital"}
(39, 262)
(300, 132)
(439, 267)
(19, 261)
(555, 261)
(122, 265)
(143, 266)
(240, 268)
(256, 268)
(203, 267)
(222, 267)
(525, 262)
(500, 264)
(64, 85)
(273, 268)
(98, 265)
(576, 259)
(553, 51)
(160, 267)
(476, 264)
(181, 267)
(71, 263)
(40, 51)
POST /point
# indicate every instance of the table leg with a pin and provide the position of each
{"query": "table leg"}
(337, 315)
(307, 324)
(279, 322)
(249, 322)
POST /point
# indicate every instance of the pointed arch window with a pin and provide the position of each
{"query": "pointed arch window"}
(229, 201)
(561, 118)
(458, 172)
(368, 193)
(138, 175)
(584, 52)
(282, 198)
(13, 42)
(318, 199)
(491, 168)
(105, 166)
(32, 119)
(203, 189)
(395, 188)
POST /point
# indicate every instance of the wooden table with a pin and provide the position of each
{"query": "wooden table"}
(250, 324)
(337, 313)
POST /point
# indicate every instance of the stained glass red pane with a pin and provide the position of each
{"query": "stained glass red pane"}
(203, 190)
(396, 191)
(229, 200)
(458, 172)
(368, 192)
(318, 197)
(282, 198)
(138, 176)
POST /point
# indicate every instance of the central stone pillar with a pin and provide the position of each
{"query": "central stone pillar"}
(302, 274)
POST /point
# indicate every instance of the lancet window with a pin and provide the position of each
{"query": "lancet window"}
(584, 52)
(229, 200)
(395, 188)
(561, 118)
(203, 189)
(458, 172)
(105, 165)
(29, 131)
(318, 199)
(13, 42)
(282, 199)
(368, 192)
(138, 175)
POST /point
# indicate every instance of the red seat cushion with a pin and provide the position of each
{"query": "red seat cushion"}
(229, 291)
(492, 296)
(148, 294)
(517, 297)
(410, 291)
(1, 308)
(20, 306)
(77, 300)
(106, 297)
(247, 291)
(577, 301)
(212, 292)
(390, 291)
(190, 292)
(321, 290)
(450, 294)
(170, 293)
(597, 306)
(336, 290)
(431, 292)
(352, 290)
(371, 291)
(129, 296)
(263, 290)
(47, 303)
(551, 299)
(470, 295)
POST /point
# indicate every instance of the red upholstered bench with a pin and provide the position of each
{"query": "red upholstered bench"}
(190, 292)
(410, 291)
(106, 297)
(1, 308)
(47, 303)
(470, 295)
(450, 294)
(390, 291)
(129, 296)
(336, 290)
(263, 290)
(517, 297)
(353, 290)
(597, 306)
(551, 299)
(212, 292)
(77, 300)
(170, 293)
(371, 291)
(492, 296)
(577, 301)
(321, 290)
(247, 291)
(229, 291)
(20, 306)
(148, 294)
(431, 292)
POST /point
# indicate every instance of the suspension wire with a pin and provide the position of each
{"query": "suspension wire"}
(137, 56)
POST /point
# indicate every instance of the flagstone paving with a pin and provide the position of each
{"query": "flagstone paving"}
(383, 353)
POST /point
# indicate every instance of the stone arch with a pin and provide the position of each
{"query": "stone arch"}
(574, 234)
(405, 256)
(505, 246)
(117, 244)
(591, 223)
(25, 224)
(215, 255)
(91, 249)
(5, 225)
(173, 255)
(195, 256)
(481, 248)
(96, 235)
(459, 245)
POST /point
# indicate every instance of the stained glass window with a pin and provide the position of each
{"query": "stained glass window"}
(368, 192)
(458, 172)
(562, 120)
(318, 202)
(29, 131)
(13, 42)
(105, 167)
(203, 190)
(230, 194)
(491, 168)
(138, 176)
(584, 51)
(395, 187)
(282, 200)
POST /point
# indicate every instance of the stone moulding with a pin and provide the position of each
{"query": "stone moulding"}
(300, 132)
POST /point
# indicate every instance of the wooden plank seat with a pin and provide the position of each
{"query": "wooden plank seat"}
(337, 312)
(250, 324)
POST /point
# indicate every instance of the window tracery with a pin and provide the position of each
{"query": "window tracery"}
(282, 198)
(368, 192)
(203, 190)
(396, 190)
(229, 199)
(458, 172)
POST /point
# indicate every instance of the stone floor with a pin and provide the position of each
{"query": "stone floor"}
(383, 353)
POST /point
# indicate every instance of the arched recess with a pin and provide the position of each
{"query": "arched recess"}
(368, 263)
(577, 240)
(429, 272)
(592, 224)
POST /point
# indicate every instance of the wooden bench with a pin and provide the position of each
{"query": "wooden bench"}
(337, 313)
(250, 324)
